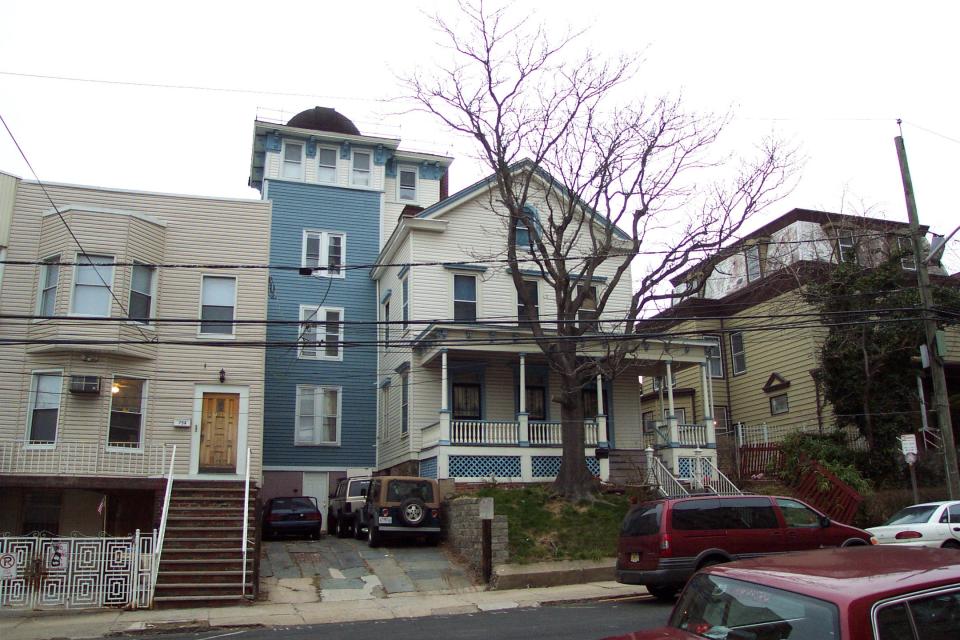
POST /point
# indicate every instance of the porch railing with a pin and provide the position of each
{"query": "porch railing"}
(692, 435)
(82, 458)
(158, 548)
(483, 432)
(713, 479)
(550, 434)
(667, 484)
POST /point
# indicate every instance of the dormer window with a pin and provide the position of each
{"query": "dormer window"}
(752, 254)
(407, 184)
(846, 248)
(361, 169)
(293, 160)
(327, 165)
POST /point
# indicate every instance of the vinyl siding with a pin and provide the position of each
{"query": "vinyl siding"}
(198, 230)
(428, 193)
(356, 213)
(8, 194)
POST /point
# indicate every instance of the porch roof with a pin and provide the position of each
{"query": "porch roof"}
(648, 358)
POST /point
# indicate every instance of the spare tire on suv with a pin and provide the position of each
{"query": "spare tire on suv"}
(402, 506)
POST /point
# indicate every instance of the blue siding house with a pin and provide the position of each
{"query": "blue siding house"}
(336, 196)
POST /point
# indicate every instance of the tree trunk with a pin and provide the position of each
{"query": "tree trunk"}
(574, 481)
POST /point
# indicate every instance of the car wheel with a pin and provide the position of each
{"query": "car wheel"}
(951, 544)
(853, 542)
(663, 592)
(315, 534)
(332, 524)
(343, 529)
(373, 537)
(358, 529)
(413, 511)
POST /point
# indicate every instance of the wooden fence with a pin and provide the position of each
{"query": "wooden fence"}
(821, 488)
(758, 459)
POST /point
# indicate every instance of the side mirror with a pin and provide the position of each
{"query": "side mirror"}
(824, 521)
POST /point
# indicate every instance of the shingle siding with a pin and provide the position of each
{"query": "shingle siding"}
(355, 213)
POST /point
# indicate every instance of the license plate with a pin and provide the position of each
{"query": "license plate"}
(386, 520)
(634, 557)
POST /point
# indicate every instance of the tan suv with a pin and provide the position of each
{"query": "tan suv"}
(401, 506)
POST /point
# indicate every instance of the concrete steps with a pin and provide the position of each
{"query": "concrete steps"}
(628, 467)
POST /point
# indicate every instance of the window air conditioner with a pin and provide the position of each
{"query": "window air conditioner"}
(84, 384)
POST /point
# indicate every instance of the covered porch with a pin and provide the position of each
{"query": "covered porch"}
(495, 419)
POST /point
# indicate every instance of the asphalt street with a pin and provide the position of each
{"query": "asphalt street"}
(585, 621)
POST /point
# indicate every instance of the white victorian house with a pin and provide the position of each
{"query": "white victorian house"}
(464, 391)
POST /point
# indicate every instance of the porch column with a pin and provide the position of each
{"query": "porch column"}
(671, 415)
(443, 464)
(601, 415)
(444, 406)
(523, 418)
(711, 430)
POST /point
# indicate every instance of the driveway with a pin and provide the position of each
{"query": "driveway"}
(338, 569)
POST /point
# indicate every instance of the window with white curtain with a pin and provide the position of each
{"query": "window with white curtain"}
(318, 415)
(324, 252)
(126, 412)
(93, 277)
(218, 302)
(321, 333)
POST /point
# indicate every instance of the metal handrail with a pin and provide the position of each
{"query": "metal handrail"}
(246, 520)
(158, 548)
(722, 485)
(669, 486)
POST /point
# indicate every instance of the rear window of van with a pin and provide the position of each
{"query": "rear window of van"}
(643, 521)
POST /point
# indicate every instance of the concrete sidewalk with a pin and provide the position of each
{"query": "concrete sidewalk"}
(32, 625)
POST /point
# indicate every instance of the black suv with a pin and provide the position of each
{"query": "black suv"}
(402, 506)
(346, 502)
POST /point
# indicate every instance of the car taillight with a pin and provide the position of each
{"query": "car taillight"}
(435, 513)
(908, 535)
(665, 549)
(384, 512)
(312, 516)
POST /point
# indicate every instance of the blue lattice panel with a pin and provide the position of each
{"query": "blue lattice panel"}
(484, 466)
(685, 468)
(594, 465)
(545, 466)
(428, 468)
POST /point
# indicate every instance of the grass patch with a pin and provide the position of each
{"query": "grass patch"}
(543, 528)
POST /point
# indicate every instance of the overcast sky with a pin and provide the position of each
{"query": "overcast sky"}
(829, 77)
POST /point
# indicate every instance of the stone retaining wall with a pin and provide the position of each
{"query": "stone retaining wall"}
(462, 528)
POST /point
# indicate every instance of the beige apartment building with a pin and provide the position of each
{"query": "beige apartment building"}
(109, 362)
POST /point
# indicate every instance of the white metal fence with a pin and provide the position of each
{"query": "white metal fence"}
(764, 434)
(81, 458)
(76, 573)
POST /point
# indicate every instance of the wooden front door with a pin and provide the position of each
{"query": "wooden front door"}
(218, 433)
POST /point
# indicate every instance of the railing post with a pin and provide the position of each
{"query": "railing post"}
(246, 521)
(523, 418)
(444, 410)
(651, 477)
(158, 542)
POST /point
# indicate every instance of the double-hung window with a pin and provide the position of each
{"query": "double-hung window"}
(318, 416)
(218, 299)
(321, 333)
(404, 403)
(293, 160)
(407, 184)
(327, 165)
(752, 255)
(140, 305)
(464, 298)
(527, 314)
(524, 239)
(49, 279)
(738, 352)
(93, 277)
(714, 357)
(405, 302)
(846, 247)
(587, 315)
(324, 252)
(44, 407)
(360, 176)
(126, 412)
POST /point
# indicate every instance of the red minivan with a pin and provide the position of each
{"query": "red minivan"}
(663, 543)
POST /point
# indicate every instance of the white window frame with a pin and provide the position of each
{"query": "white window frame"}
(595, 296)
(109, 285)
(153, 295)
(405, 404)
(336, 164)
(320, 315)
(416, 183)
(143, 414)
(453, 294)
(786, 400)
(734, 353)
(42, 284)
(852, 248)
(324, 257)
(354, 170)
(283, 160)
(386, 324)
(753, 253)
(319, 392)
(384, 411)
(907, 263)
(718, 343)
(233, 326)
(405, 302)
(535, 283)
(31, 405)
(680, 413)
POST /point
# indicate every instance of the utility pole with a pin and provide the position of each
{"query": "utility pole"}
(940, 400)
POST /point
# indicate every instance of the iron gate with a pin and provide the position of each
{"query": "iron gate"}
(76, 573)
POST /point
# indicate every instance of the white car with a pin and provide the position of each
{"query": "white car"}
(931, 524)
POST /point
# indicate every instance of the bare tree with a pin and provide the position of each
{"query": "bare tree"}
(610, 182)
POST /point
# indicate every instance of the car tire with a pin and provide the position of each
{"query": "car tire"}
(343, 529)
(315, 534)
(951, 544)
(663, 592)
(332, 524)
(853, 542)
(373, 537)
(413, 511)
(357, 529)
